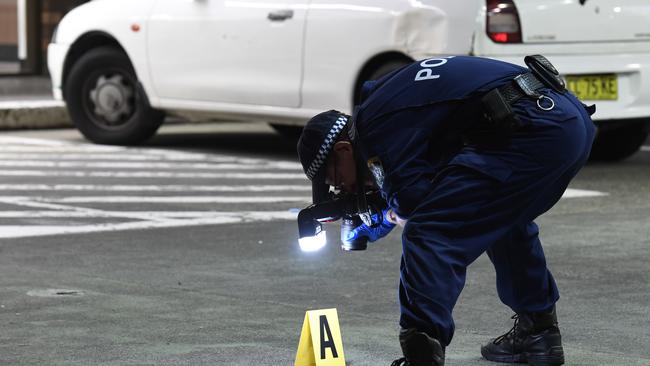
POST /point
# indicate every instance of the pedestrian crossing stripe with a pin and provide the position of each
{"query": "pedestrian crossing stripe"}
(320, 340)
(44, 211)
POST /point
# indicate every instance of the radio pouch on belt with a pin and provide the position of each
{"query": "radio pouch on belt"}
(497, 111)
(544, 70)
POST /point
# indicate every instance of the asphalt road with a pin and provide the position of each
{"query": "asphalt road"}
(184, 252)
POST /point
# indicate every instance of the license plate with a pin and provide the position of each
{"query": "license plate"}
(593, 87)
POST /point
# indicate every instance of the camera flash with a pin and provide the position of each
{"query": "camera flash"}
(313, 243)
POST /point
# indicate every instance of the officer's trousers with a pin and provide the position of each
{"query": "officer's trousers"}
(486, 200)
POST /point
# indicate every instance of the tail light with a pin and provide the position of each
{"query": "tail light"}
(502, 23)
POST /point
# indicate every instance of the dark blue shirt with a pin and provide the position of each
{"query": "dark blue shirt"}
(405, 120)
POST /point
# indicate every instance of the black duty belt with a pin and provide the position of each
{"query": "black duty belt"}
(497, 103)
(521, 86)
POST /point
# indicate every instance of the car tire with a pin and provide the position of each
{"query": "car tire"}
(387, 67)
(106, 102)
(377, 73)
(619, 143)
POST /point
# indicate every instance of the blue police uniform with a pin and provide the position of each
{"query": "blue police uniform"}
(463, 199)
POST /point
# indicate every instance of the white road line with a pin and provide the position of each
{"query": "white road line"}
(45, 148)
(645, 148)
(29, 202)
(150, 219)
(262, 215)
(62, 149)
(140, 155)
(153, 188)
(32, 141)
(31, 104)
(105, 149)
(173, 199)
(147, 165)
(123, 157)
(58, 146)
(148, 174)
(129, 153)
(19, 231)
(23, 153)
(60, 210)
(579, 193)
(114, 156)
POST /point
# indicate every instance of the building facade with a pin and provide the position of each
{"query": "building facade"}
(26, 27)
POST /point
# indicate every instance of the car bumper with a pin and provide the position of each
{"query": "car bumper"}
(633, 74)
(56, 54)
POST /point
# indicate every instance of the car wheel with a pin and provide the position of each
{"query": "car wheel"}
(106, 102)
(377, 73)
(619, 143)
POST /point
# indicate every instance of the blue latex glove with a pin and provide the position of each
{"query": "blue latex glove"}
(373, 234)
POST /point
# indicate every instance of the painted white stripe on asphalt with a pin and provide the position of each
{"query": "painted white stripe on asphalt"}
(5, 140)
(120, 156)
(61, 149)
(31, 104)
(645, 148)
(206, 157)
(17, 231)
(147, 165)
(152, 219)
(113, 156)
(13, 144)
(28, 202)
(153, 188)
(569, 193)
(257, 215)
(145, 174)
(579, 193)
(174, 199)
(132, 153)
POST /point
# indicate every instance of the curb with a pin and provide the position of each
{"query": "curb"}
(33, 114)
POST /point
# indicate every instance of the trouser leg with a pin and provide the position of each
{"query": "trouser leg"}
(524, 283)
(435, 254)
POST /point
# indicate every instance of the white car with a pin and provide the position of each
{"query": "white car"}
(121, 65)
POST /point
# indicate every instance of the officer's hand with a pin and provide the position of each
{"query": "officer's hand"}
(392, 217)
(373, 234)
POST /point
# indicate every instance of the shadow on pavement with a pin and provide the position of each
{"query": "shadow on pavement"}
(255, 144)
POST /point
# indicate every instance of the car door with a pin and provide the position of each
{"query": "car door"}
(228, 51)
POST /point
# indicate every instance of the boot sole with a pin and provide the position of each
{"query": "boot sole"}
(517, 358)
(554, 357)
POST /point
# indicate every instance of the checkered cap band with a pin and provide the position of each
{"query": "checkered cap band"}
(325, 148)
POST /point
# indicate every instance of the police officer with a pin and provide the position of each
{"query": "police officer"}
(467, 153)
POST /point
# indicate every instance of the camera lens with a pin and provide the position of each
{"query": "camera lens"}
(348, 223)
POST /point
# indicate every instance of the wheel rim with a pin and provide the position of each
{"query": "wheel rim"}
(109, 98)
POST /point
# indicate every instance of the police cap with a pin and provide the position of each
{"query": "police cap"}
(317, 139)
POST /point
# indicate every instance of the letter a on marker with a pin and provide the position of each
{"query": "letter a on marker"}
(320, 340)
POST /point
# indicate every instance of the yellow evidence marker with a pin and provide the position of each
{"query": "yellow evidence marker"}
(320, 340)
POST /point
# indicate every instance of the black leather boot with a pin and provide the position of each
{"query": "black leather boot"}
(535, 339)
(419, 349)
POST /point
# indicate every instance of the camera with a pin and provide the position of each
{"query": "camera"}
(352, 209)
